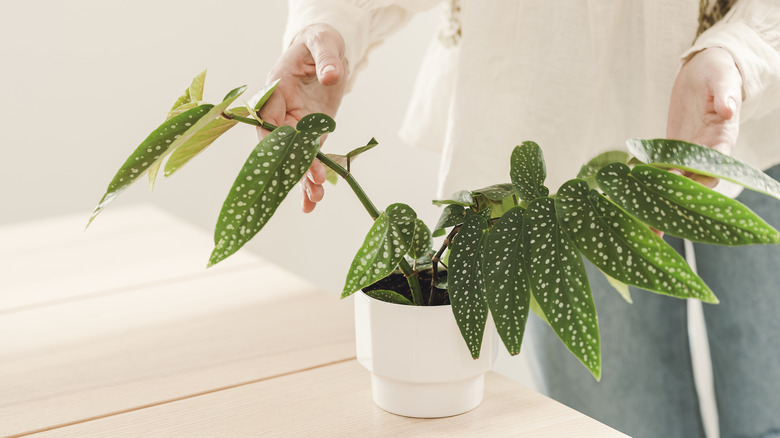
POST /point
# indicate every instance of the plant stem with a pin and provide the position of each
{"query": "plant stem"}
(249, 121)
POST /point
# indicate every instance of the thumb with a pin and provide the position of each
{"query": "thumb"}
(327, 50)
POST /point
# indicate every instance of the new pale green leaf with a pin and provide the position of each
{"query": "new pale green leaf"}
(507, 287)
(150, 151)
(275, 165)
(681, 207)
(528, 171)
(623, 247)
(704, 161)
(191, 96)
(466, 289)
(357, 151)
(263, 95)
(387, 242)
(559, 284)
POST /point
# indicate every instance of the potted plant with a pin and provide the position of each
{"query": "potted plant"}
(422, 313)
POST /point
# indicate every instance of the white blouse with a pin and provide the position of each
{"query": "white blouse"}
(577, 77)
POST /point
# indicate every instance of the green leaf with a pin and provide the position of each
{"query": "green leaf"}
(623, 247)
(559, 284)
(214, 112)
(263, 95)
(467, 294)
(422, 241)
(704, 161)
(681, 207)
(451, 215)
(588, 171)
(496, 192)
(389, 296)
(181, 109)
(192, 95)
(355, 152)
(150, 151)
(507, 287)
(528, 171)
(275, 165)
(387, 242)
(201, 140)
(462, 198)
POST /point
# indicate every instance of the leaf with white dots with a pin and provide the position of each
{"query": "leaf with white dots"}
(151, 150)
(462, 198)
(528, 171)
(588, 171)
(386, 244)
(496, 192)
(451, 215)
(389, 296)
(422, 241)
(214, 113)
(466, 287)
(704, 161)
(272, 169)
(201, 140)
(681, 207)
(560, 285)
(507, 287)
(623, 247)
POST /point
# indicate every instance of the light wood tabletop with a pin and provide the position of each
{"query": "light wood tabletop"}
(122, 332)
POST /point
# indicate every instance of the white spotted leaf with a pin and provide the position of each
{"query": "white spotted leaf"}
(704, 161)
(591, 168)
(681, 207)
(389, 296)
(385, 245)
(462, 198)
(496, 192)
(272, 169)
(466, 287)
(214, 113)
(201, 140)
(528, 171)
(507, 287)
(150, 151)
(623, 247)
(422, 240)
(559, 283)
(451, 216)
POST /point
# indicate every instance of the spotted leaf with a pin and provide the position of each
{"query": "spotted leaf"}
(683, 208)
(588, 171)
(560, 285)
(623, 247)
(462, 198)
(214, 113)
(201, 140)
(704, 161)
(386, 244)
(507, 287)
(150, 151)
(389, 296)
(496, 192)
(275, 165)
(451, 215)
(466, 288)
(422, 241)
(528, 171)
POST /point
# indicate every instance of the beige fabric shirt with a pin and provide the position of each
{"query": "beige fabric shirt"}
(578, 77)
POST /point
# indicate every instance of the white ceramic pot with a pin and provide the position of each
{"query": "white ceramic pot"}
(420, 365)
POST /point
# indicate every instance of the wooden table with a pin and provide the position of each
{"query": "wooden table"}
(121, 331)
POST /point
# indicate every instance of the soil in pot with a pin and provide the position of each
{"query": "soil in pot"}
(396, 282)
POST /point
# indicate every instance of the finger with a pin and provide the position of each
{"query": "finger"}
(327, 50)
(307, 205)
(317, 173)
(706, 181)
(658, 233)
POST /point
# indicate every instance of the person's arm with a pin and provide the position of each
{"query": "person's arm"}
(326, 42)
(730, 74)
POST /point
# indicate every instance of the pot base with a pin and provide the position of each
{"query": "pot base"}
(428, 400)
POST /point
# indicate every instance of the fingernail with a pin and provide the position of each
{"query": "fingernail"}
(327, 68)
(732, 105)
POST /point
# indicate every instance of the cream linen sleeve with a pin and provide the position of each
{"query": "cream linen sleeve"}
(363, 24)
(750, 32)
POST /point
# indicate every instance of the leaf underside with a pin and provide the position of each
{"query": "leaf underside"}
(385, 245)
(451, 215)
(623, 247)
(683, 208)
(507, 287)
(466, 288)
(462, 198)
(560, 285)
(704, 161)
(496, 192)
(273, 168)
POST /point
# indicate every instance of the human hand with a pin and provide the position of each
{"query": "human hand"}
(313, 75)
(705, 104)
